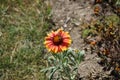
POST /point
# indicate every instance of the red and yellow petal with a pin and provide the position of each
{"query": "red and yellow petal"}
(65, 35)
(68, 41)
(63, 48)
(56, 49)
(55, 44)
(47, 42)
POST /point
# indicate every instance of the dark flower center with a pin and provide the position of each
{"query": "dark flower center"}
(57, 40)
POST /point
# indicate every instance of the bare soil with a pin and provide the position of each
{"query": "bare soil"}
(70, 15)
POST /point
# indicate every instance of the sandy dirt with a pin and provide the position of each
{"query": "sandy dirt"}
(70, 14)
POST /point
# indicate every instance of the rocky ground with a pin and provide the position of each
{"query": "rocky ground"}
(70, 15)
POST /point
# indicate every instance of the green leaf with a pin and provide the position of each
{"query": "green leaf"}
(81, 52)
(118, 2)
(86, 33)
(81, 55)
(52, 73)
(47, 69)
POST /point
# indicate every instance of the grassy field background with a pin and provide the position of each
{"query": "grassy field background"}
(22, 30)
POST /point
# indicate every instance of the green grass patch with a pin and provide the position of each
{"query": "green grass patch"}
(22, 31)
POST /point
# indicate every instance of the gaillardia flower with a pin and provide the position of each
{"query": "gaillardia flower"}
(57, 41)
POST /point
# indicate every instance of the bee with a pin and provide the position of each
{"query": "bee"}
(57, 39)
